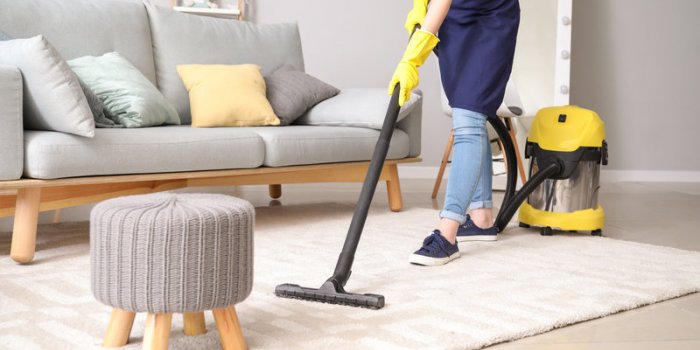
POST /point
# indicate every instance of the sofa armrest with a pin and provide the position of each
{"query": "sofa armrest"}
(412, 125)
(11, 126)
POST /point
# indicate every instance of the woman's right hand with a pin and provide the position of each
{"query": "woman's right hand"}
(417, 15)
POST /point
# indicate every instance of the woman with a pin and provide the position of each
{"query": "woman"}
(475, 50)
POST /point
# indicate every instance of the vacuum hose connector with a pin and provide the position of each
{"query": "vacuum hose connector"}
(504, 216)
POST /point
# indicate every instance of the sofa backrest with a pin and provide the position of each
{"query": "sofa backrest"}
(187, 39)
(84, 27)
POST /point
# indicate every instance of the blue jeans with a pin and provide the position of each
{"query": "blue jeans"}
(469, 183)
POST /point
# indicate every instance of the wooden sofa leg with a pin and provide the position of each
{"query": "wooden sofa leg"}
(25, 226)
(393, 188)
(275, 191)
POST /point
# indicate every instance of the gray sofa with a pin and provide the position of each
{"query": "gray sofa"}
(46, 170)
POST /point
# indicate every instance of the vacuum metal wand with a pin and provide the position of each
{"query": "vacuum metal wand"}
(345, 260)
(332, 290)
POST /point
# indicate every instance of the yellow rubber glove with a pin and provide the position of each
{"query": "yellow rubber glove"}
(417, 15)
(418, 50)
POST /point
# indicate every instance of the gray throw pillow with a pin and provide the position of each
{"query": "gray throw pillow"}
(129, 98)
(291, 93)
(93, 101)
(53, 99)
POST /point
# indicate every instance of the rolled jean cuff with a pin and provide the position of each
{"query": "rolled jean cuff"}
(460, 218)
(481, 205)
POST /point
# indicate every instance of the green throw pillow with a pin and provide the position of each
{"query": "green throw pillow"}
(129, 98)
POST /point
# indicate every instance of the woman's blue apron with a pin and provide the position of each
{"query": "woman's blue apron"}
(477, 44)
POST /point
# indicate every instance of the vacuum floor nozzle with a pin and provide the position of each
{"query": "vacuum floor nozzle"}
(330, 293)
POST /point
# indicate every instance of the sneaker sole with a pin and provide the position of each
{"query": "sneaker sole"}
(423, 260)
(478, 238)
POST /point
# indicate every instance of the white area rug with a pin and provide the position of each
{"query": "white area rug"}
(522, 285)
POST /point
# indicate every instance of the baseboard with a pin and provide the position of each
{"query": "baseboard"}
(413, 172)
(430, 172)
(649, 176)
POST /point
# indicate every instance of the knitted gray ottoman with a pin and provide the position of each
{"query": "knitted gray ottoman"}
(171, 253)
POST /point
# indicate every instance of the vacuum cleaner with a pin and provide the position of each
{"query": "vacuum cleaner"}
(566, 145)
(573, 138)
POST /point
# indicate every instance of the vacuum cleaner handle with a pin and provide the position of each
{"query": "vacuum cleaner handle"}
(347, 255)
(332, 291)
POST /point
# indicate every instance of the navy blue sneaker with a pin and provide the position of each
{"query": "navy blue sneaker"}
(436, 250)
(470, 232)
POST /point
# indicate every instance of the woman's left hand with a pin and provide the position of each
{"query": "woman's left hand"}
(417, 15)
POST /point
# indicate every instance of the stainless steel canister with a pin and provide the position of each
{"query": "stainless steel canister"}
(578, 192)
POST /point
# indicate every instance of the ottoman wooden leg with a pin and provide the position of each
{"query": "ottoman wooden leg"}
(229, 329)
(194, 323)
(157, 331)
(119, 328)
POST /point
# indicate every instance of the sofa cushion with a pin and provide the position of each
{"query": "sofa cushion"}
(186, 39)
(227, 95)
(129, 98)
(53, 99)
(84, 27)
(298, 144)
(50, 155)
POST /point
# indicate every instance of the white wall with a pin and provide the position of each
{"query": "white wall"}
(636, 62)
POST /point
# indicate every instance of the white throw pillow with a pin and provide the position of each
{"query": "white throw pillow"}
(53, 99)
(364, 108)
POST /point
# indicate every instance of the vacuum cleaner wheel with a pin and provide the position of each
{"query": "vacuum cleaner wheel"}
(546, 231)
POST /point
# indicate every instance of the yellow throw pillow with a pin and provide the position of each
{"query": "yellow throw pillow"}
(226, 95)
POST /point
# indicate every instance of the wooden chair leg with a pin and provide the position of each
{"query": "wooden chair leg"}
(393, 187)
(229, 328)
(503, 151)
(26, 220)
(119, 328)
(518, 159)
(56, 216)
(194, 323)
(443, 165)
(275, 191)
(157, 331)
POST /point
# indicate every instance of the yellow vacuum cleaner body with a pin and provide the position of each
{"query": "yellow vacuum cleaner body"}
(573, 138)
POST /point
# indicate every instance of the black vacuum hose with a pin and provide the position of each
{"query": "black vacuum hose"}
(511, 160)
(505, 214)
